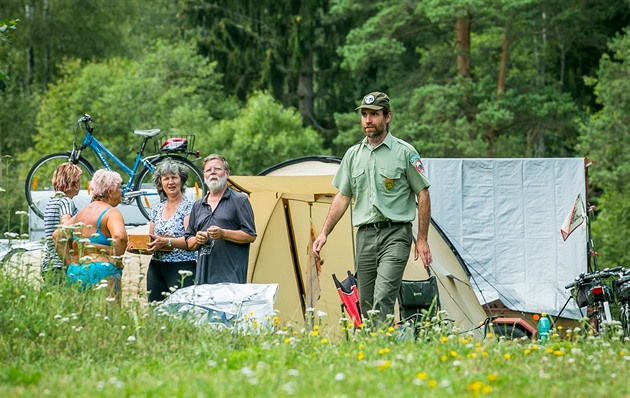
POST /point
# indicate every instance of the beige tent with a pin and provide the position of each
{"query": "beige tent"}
(290, 210)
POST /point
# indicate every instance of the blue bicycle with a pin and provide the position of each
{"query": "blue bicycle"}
(139, 186)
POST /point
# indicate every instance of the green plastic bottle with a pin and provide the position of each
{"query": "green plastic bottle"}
(544, 325)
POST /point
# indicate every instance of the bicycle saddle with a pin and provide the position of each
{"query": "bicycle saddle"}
(147, 133)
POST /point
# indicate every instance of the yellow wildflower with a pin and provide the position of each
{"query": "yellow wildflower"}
(383, 365)
(422, 376)
(475, 386)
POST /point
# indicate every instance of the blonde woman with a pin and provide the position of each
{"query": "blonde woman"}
(99, 238)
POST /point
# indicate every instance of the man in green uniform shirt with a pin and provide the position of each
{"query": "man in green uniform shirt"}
(385, 176)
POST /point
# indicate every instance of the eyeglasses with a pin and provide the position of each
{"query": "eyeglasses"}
(213, 169)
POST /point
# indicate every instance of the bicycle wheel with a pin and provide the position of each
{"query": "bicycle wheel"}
(624, 314)
(195, 187)
(599, 317)
(38, 185)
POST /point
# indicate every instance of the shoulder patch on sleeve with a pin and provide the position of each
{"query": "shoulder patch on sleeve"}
(417, 163)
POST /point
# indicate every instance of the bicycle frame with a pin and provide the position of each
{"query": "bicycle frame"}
(103, 153)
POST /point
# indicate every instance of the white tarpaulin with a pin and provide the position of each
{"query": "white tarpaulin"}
(504, 217)
(226, 303)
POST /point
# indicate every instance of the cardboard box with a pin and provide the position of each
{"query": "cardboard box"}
(139, 244)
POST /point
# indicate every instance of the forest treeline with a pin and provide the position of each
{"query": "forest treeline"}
(263, 81)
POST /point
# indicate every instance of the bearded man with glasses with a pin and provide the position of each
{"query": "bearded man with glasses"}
(221, 227)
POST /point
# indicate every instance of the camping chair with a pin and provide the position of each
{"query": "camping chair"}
(349, 295)
(418, 300)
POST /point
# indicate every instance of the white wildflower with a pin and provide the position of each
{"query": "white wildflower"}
(247, 372)
(289, 388)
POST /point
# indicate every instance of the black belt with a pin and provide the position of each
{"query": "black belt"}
(383, 224)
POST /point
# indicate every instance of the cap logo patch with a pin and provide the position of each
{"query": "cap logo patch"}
(369, 99)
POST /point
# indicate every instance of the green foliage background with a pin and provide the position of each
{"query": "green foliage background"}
(263, 81)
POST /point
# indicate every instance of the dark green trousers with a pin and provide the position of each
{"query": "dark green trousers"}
(382, 255)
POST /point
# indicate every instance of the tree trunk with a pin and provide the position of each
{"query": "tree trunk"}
(30, 52)
(305, 79)
(462, 29)
(47, 69)
(505, 50)
(305, 87)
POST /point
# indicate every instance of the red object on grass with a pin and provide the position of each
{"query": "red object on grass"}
(349, 294)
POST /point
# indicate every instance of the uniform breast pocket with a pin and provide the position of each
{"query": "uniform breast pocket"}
(389, 181)
(359, 180)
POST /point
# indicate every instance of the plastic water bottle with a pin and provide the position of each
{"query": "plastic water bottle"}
(543, 328)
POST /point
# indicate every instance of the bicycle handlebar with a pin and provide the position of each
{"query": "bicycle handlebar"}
(87, 120)
(585, 278)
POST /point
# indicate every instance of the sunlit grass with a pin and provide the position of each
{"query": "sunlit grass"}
(59, 341)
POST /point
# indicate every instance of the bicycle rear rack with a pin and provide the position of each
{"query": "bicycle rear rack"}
(176, 143)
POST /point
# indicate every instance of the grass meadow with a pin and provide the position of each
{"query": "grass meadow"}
(61, 342)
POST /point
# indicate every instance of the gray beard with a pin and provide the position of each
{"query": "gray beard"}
(217, 186)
